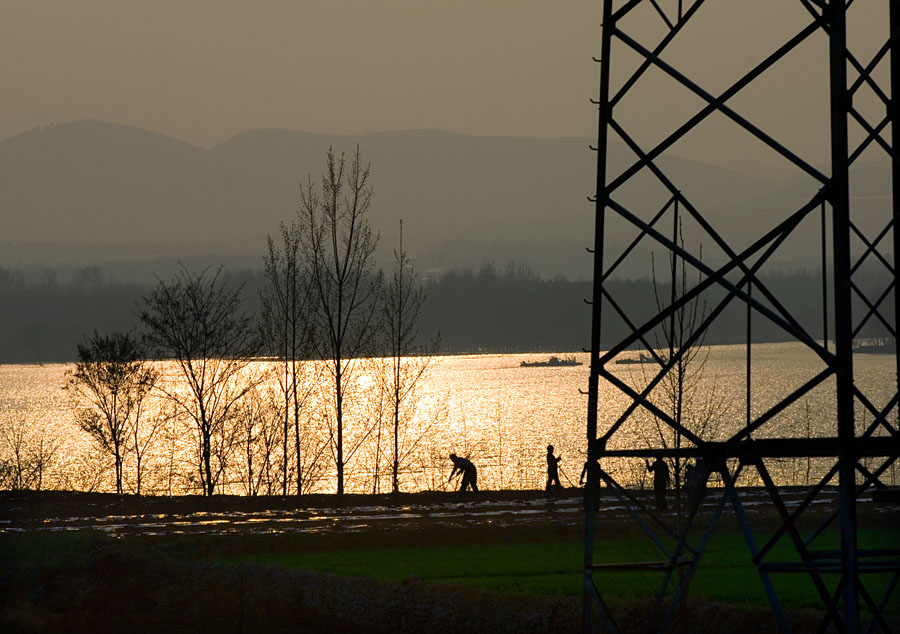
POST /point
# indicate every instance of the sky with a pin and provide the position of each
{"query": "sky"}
(203, 70)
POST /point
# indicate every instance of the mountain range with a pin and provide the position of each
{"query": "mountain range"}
(98, 193)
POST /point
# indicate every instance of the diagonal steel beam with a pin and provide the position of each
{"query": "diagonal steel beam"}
(645, 64)
(704, 224)
(719, 103)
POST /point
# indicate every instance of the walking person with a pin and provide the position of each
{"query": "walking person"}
(553, 483)
(661, 479)
(465, 467)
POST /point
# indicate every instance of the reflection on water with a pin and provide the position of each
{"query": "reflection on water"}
(487, 407)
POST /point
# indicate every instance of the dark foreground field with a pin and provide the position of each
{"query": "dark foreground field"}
(501, 561)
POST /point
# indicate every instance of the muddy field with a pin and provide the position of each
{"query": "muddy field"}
(370, 515)
(147, 566)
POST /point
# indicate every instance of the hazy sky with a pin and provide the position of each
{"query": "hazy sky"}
(202, 70)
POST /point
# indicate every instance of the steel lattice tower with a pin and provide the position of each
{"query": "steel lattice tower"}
(863, 439)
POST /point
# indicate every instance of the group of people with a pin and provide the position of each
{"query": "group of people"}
(464, 467)
(695, 477)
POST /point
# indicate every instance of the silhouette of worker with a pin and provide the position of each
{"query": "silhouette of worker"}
(467, 469)
(660, 481)
(695, 478)
(553, 483)
(590, 477)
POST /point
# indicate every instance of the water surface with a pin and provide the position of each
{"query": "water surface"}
(487, 407)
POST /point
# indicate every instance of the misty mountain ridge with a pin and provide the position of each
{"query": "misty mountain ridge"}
(91, 192)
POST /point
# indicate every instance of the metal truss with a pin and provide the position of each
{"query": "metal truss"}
(865, 441)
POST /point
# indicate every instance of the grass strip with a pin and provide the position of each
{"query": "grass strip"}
(725, 572)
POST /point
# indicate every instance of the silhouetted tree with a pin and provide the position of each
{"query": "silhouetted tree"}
(681, 393)
(287, 327)
(340, 248)
(258, 433)
(195, 321)
(28, 452)
(112, 377)
(409, 361)
(144, 434)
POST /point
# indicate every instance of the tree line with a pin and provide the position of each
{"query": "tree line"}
(489, 308)
(320, 297)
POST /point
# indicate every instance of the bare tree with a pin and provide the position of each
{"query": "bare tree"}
(287, 331)
(112, 376)
(146, 430)
(683, 392)
(269, 438)
(194, 320)
(410, 361)
(258, 435)
(377, 406)
(340, 248)
(312, 440)
(26, 454)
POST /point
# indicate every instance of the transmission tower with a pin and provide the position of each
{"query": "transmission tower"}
(707, 265)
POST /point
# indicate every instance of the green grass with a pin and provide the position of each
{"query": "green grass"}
(552, 568)
(60, 550)
(725, 572)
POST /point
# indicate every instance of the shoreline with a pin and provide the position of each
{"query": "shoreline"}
(493, 352)
(528, 514)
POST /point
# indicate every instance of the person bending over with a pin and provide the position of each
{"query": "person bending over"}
(465, 467)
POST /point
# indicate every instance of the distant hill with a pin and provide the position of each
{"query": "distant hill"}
(91, 192)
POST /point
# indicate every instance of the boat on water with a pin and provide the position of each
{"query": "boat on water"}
(551, 362)
(643, 358)
(876, 346)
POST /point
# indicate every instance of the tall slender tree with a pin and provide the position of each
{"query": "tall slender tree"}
(287, 330)
(685, 393)
(410, 361)
(195, 321)
(340, 247)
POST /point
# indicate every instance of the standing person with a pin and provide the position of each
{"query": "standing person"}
(660, 481)
(553, 483)
(468, 471)
(695, 479)
(590, 476)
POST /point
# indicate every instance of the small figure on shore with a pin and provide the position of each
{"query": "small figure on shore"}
(695, 478)
(465, 467)
(553, 483)
(590, 477)
(660, 481)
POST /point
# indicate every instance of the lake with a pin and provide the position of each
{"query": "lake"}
(487, 407)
